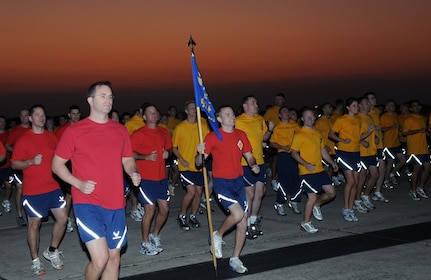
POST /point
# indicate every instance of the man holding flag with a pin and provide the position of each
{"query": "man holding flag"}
(228, 182)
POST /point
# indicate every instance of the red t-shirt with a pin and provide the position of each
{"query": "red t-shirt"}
(96, 152)
(60, 130)
(38, 179)
(3, 138)
(16, 133)
(146, 140)
(227, 153)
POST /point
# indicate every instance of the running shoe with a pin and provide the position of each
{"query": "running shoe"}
(387, 185)
(393, 179)
(141, 209)
(341, 178)
(317, 213)
(155, 240)
(193, 221)
(37, 267)
(353, 215)
(69, 226)
(279, 208)
(359, 206)
(218, 242)
(414, 196)
(335, 181)
(182, 222)
(54, 258)
(420, 191)
(7, 206)
(378, 196)
(308, 227)
(252, 232)
(136, 215)
(367, 202)
(294, 206)
(346, 215)
(235, 264)
(148, 249)
(21, 221)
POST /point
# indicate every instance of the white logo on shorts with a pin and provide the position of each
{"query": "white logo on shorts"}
(61, 198)
(116, 235)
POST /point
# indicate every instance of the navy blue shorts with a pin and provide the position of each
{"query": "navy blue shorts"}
(419, 159)
(189, 178)
(250, 178)
(230, 191)
(38, 206)
(313, 183)
(16, 177)
(95, 222)
(348, 160)
(5, 174)
(392, 152)
(369, 161)
(380, 154)
(150, 191)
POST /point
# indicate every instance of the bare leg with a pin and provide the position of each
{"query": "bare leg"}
(33, 236)
(162, 216)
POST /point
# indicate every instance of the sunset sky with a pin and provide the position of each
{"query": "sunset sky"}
(313, 51)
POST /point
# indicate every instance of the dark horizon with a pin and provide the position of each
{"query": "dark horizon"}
(298, 94)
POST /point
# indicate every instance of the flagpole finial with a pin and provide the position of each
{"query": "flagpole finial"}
(191, 43)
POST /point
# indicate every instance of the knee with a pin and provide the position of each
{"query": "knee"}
(242, 225)
(99, 264)
(191, 190)
(239, 217)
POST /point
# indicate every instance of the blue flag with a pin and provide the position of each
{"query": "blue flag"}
(202, 99)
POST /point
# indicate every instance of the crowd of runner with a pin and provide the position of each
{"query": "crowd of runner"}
(83, 170)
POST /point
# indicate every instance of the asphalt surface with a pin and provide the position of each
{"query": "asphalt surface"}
(391, 242)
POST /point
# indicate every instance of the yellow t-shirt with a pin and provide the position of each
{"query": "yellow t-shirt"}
(309, 144)
(371, 150)
(134, 123)
(271, 115)
(254, 127)
(324, 125)
(172, 123)
(416, 143)
(401, 119)
(348, 127)
(283, 134)
(375, 115)
(390, 137)
(186, 139)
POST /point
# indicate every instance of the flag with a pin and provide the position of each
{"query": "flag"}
(202, 99)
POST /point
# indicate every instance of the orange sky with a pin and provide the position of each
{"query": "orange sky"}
(58, 48)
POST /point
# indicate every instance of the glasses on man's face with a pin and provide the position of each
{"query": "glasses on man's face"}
(105, 96)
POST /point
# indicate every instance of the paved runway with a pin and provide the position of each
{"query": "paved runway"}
(391, 242)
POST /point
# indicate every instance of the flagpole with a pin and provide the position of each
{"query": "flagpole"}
(205, 175)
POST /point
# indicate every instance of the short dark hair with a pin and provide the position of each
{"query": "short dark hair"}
(188, 102)
(247, 97)
(218, 111)
(92, 89)
(74, 107)
(281, 95)
(33, 108)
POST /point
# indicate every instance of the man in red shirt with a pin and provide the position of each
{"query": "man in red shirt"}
(228, 182)
(33, 153)
(151, 145)
(99, 150)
